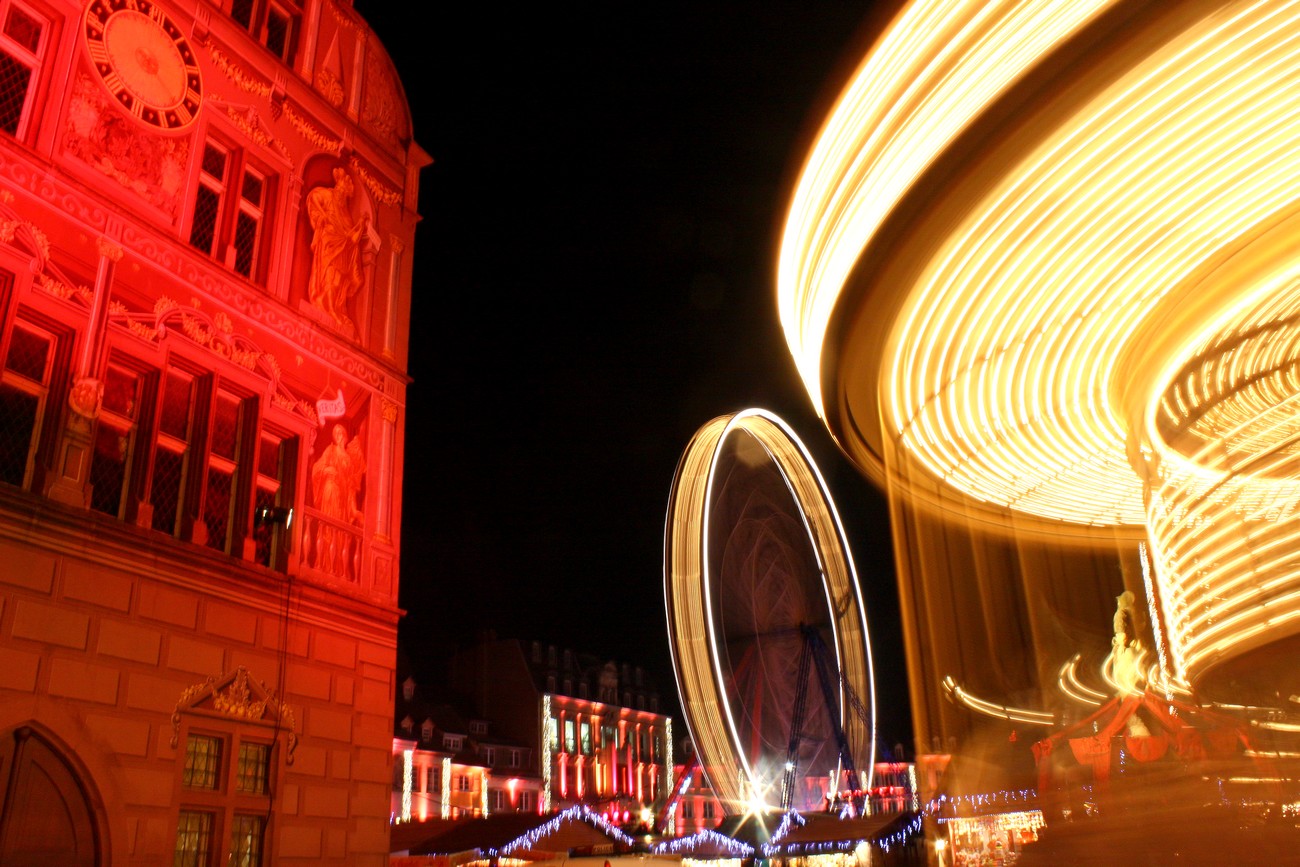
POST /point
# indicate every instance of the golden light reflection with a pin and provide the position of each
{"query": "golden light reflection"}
(1095, 318)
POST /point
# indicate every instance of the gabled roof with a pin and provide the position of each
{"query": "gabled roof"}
(518, 832)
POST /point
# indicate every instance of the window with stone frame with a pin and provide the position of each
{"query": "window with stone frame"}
(24, 34)
(277, 460)
(211, 465)
(224, 496)
(34, 365)
(128, 388)
(228, 734)
(225, 788)
(231, 206)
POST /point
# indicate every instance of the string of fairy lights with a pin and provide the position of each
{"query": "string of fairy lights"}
(531, 839)
(706, 838)
(1104, 329)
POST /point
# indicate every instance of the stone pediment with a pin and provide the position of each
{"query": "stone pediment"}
(237, 696)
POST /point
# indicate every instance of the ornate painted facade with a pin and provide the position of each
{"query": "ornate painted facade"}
(206, 222)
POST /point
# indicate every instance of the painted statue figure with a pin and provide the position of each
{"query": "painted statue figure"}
(336, 478)
(336, 248)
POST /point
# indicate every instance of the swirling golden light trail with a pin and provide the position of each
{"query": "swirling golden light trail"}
(1080, 222)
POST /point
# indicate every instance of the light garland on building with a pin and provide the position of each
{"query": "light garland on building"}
(774, 847)
(549, 731)
(579, 811)
(446, 787)
(789, 822)
(407, 783)
(950, 804)
(729, 845)
(668, 755)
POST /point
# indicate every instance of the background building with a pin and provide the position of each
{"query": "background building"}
(447, 765)
(205, 219)
(594, 727)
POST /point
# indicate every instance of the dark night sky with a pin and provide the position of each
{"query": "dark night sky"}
(593, 282)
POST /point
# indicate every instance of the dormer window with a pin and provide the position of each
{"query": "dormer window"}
(408, 689)
(426, 730)
(408, 725)
(453, 742)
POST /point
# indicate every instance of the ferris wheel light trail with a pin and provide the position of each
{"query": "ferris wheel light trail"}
(1055, 250)
(708, 678)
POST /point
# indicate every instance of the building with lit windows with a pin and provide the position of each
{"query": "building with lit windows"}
(450, 766)
(594, 726)
(206, 217)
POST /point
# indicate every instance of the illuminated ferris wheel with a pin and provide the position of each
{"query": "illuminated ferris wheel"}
(765, 618)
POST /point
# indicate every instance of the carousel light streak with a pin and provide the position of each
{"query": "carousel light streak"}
(1161, 674)
(1102, 330)
(698, 665)
(988, 708)
(1070, 685)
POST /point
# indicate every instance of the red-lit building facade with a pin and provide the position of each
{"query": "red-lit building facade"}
(447, 765)
(206, 220)
(594, 726)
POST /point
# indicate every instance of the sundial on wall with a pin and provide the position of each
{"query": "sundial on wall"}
(144, 60)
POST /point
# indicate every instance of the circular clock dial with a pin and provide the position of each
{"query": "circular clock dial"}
(144, 60)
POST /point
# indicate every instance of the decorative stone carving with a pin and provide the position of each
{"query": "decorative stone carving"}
(151, 166)
(236, 696)
(381, 106)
